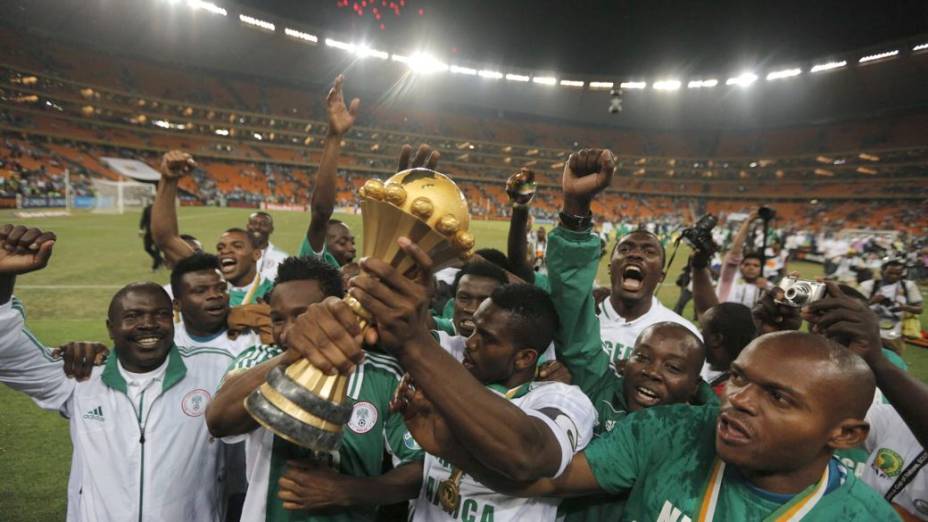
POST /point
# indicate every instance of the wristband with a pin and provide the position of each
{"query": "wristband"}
(576, 223)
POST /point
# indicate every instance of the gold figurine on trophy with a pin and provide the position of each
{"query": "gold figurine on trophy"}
(304, 405)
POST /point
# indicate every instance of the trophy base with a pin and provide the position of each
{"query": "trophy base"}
(295, 414)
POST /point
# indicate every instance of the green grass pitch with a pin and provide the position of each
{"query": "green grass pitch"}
(95, 255)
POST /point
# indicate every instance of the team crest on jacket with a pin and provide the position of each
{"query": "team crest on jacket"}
(363, 417)
(194, 403)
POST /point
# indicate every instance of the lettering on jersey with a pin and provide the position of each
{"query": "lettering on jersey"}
(95, 414)
(921, 506)
(609, 418)
(363, 417)
(469, 510)
(195, 402)
(671, 513)
(858, 467)
(617, 351)
(887, 463)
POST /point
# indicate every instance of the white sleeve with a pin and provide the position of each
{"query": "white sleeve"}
(26, 365)
(915, 296)
(569, 414)
(883, 420)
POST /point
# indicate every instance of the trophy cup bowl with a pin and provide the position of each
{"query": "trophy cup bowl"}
(302, 404)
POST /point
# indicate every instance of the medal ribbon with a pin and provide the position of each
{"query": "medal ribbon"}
(799, 506)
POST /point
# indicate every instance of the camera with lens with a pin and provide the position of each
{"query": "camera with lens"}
(799, 293)
(699, 236)
(766, 213)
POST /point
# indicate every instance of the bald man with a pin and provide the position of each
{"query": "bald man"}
(793, 399)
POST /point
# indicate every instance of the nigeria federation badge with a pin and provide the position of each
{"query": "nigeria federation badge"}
(887, 463)
(363, 417)
(194, 403)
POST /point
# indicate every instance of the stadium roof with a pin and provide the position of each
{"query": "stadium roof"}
(627, 37)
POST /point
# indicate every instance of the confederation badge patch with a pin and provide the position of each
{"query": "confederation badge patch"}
(888, 462)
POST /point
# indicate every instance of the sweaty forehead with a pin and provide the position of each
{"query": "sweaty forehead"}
(670, 342)
(639, 238)
(230, 237)
(295, 294)
(203, 277)
(790, 364)
(141, 299)
(477, 285)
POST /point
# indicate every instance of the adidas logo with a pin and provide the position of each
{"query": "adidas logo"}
(95, 414)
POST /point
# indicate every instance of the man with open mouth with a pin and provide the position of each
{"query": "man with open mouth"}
(141, 448)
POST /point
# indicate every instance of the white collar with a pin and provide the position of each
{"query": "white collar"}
(143, 379)
(611, 314)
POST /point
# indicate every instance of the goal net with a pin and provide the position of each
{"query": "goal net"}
(114, 197)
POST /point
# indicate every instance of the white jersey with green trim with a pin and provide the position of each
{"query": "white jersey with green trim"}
(218, 341)
(149, 464)
(569, 415)
(619, 335)
(893, 447)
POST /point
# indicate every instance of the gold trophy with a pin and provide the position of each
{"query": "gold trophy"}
(304, 405)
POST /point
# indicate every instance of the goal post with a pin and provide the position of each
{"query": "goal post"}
(114, 197)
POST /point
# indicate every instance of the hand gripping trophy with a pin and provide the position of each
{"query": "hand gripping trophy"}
(301, 403)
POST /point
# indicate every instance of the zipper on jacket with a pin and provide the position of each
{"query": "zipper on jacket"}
(138, 416)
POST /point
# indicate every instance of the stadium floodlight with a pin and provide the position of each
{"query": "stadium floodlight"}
(164, 124)
(206, 6)
(823, 172)
(601, 85)
(424, 63)
(702, 84)
(456, 69)
(256, 22)
(633, 85)
(742, 80)
(545, 80)
(258, 136)
(920, 47)
(667, 85)
(399, 58)
(221, 132)
(784, 73)
(300, 35)
(571, 83)
(516, 77)
(878, 56)
(828, 66)
(492, 75)
(344, 46)
(869, 157)
(867, 170)
(363, 51)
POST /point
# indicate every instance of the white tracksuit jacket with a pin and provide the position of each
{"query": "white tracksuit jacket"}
(160, 466)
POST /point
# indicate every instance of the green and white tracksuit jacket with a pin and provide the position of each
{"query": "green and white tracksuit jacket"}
(154, 463)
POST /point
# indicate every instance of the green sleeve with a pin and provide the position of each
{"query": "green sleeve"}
(895, 359)
(572, 259)
(443, 324)
(616, 457)
(400, 442)
(448, 312)
(544, 282)
(307, 250)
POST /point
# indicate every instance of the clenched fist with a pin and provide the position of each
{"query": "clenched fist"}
(24, 249)
(521, 187)
(176, 164)
(587, 172)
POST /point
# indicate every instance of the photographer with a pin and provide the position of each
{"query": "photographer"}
(891, 296)
(740, 280)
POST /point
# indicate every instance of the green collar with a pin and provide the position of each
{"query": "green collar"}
(513, 393)
(174, 373)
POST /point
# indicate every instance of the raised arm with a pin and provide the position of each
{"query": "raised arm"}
(521, 190)
(322, 202)
(704, 296)
(25, 364)
(573, 257)
(851, 323)
(164, 230)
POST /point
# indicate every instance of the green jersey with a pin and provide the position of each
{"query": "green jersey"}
(371, 430)
(662, 458)
(307, 250)
(573, 258)
(238, 294)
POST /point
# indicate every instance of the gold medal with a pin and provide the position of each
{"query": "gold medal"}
(449, 491)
